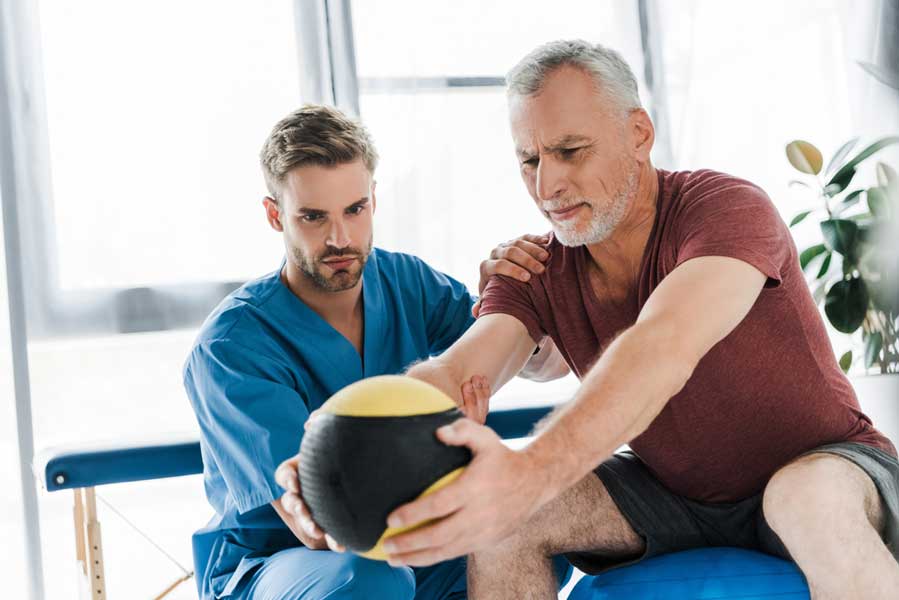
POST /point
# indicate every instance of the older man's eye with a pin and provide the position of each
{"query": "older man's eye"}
(568, 153)
(530, 162)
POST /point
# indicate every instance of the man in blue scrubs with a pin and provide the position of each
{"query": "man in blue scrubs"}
(336, 311)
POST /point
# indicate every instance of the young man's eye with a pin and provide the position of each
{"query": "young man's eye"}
(311, 218)
(355, 210)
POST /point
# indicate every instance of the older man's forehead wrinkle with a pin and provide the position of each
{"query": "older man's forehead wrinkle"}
(561, 143)
(524, 153)
(566, 141)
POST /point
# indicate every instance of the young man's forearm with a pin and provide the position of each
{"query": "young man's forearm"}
(618, 399)
(546, 365)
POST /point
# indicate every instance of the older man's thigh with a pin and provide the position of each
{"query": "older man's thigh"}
(582, 518)
(303, 574)
(818, 494)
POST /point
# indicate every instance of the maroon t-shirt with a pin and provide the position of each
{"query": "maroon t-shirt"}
(769, 391)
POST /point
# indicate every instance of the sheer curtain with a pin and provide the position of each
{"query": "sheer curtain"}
(12, 552)
(745, 79)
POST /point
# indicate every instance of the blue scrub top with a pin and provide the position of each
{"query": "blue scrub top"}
(263, 361)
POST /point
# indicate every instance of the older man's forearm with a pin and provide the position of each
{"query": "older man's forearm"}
(618, 399)
(442, 374)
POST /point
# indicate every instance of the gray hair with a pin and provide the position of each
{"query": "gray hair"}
(608, 69)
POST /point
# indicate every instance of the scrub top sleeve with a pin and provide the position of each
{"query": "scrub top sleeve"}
(447, 308)
(250, 415)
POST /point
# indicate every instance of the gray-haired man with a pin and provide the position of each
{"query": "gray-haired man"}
(678, 300)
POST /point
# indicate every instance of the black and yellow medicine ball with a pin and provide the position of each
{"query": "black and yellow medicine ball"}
(371, 449)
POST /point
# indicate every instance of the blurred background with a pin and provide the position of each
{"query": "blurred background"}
(132, 192)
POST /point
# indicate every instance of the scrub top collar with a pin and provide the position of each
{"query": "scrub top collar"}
(340, 352)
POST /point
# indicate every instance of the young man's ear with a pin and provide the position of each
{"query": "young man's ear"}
(273, 213)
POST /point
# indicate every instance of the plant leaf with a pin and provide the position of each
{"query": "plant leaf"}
(804, 157)
(883, 293)
(864, 218)
(825, 266)
(840, 155)
(845, 174)
(811, 252)
(800, 217)
(840, 235)
(885, 174)
(818, 294)
(841, 180)
(846, 361)
(877, 201)
(848, 268)
(832, 190)
(850, 200)
(846, 304)
(873, 346)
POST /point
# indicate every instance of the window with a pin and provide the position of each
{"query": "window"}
(153, 127)
(431, 91)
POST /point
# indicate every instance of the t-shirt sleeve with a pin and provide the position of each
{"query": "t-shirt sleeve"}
(250, 419)
(447, 308)
(735, 220)
(508, 296)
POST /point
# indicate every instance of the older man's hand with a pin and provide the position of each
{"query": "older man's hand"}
(498, 491)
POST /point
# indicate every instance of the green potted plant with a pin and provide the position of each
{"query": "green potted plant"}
(853, 269)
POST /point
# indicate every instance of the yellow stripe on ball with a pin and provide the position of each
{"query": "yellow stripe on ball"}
(388, 396)
(377, 552)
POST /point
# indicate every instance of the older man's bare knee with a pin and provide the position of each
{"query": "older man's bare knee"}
(583, 518)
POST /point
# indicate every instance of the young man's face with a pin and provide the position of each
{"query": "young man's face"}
(325, 214)
(575, 156)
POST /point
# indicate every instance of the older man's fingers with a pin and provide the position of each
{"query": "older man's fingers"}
(440, 532)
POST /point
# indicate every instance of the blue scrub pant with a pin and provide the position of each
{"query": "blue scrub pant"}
(303, 574)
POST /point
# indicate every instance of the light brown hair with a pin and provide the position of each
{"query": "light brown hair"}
(314, 135)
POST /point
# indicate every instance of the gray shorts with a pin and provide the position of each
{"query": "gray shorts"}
(669, 523)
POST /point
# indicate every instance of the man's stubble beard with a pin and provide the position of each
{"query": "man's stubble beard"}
(339, 281)
(603, 221)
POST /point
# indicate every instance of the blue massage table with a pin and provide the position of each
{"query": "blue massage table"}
(709, 573)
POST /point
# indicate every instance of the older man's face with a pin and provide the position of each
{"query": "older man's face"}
(575, 156)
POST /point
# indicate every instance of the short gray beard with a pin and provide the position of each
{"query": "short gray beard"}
(603, 221)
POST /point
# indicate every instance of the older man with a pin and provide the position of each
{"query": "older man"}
(678, 300)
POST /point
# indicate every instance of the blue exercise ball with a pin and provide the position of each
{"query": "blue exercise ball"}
(703, 574)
